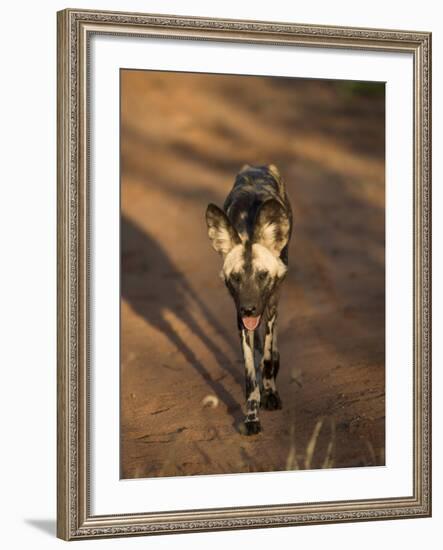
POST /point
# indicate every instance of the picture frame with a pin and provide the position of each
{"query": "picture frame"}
(75, 518)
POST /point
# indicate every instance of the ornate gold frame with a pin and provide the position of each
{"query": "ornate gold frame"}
(75, 27)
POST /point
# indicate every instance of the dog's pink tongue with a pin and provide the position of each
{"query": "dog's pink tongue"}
(251, 323)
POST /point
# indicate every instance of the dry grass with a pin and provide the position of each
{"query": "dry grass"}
(307, 458)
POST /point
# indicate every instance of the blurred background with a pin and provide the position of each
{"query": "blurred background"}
(183, 139)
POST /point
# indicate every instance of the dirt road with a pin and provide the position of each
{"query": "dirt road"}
(183, 139)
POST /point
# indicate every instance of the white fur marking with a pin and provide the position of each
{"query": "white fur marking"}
(221, 239)
(255, 394)
(248, 354)
(267, 236)
(270, 345)
(264, 260)
(274, 171)
(269, 384)
(233, 261)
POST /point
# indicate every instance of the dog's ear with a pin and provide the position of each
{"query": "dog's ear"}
(272, 226)
(220, 230)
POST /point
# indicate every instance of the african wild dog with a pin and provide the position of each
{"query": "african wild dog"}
(252, 234)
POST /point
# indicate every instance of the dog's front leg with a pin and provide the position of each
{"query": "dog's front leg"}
(252, 422)
(270, 365)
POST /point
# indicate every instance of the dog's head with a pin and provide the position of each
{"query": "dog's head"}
(252, 268)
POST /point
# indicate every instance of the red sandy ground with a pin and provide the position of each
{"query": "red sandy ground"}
(183, 139)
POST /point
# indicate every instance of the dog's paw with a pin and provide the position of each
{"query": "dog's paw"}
(270, 400)
(252, 427)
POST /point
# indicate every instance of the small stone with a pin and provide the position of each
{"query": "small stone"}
(211, 401)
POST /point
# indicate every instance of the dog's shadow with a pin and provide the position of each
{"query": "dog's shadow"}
(143, 262)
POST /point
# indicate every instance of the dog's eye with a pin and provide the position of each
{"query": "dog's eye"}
(235, 277)
(262, 275)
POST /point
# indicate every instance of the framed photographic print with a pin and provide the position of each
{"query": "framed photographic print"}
(244, 247)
